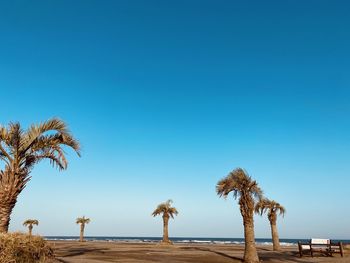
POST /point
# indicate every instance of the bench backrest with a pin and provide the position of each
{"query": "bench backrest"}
(320, 241)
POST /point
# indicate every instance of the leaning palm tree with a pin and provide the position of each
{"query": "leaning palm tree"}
(30, 223)
(273, 208)
(167, 211)
(247, 191)
(82, 221)
(20, 150)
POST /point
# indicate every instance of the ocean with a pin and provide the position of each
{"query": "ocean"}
(198, 240)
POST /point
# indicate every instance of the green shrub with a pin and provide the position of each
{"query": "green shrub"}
(22, 248)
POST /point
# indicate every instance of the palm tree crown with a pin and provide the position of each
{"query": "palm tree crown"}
(83, 220)
(165, 209)
(242, 186)
(21, 150)
(272, 207)
(31, 222)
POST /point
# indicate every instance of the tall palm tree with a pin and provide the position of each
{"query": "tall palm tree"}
(20, 150)
(247, 191)
(273, 208)
(30, 223)
(168, 211)
(82, 221)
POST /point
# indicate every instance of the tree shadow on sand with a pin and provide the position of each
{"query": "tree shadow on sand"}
(289, 256)
(73, 252)
(213, 251)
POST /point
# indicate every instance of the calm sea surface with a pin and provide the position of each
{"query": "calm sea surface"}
(259, 241)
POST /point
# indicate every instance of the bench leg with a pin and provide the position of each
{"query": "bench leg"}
(341, 249)
(300, 250)
(330, 252)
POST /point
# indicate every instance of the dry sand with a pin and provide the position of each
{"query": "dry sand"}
(98, 252)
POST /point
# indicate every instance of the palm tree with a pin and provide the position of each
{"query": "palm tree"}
(30, 223)
(20, 150)
(167, 211)
(273, 208)
(247, 191)
(82, 221)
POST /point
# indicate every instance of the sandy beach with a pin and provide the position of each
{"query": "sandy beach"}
(96, 252)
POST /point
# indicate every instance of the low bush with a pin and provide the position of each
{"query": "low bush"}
(22, 248)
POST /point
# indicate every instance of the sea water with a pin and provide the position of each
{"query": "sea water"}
(189, 240)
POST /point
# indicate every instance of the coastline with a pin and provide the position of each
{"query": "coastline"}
(184, 240)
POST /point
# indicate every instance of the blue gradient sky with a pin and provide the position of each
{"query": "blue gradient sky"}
(167, 97)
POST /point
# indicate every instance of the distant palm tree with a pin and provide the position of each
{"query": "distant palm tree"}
(20, 150)
(82, 221)
(247, 191)
(167, 211)
(30, 223)
(273, 208)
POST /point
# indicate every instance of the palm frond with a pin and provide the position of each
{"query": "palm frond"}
(37, 137)
(36, 130)
(270, 206)
(31, 222)
(238, 182)
(82, 220)
(4, 139)
(173, 211)
(21, 150)
(165, 209)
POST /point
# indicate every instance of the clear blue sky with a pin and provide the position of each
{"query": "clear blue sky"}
(167, 97)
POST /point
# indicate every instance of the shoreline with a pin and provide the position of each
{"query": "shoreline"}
(183, 241)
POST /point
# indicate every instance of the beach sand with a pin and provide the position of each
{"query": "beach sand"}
(98, 252)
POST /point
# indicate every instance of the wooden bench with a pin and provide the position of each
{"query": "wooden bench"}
(324, 246)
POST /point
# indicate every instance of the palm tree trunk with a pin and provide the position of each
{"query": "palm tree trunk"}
(11, 185)
(30, 228)
(7, 203)
(275, 239)
(82, 226)
(165, 229)
(250, 253)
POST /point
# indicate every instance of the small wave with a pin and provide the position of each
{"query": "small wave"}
(183, 241)
(62, 239)
(201, 241)
(228, 242)
(287, 244)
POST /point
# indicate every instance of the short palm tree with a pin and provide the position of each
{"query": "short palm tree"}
(167, 211)
(20, 150)
(273, 208)
(30, 223)
(82, 221)
(247, 191)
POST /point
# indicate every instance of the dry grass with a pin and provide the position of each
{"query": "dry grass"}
(21, 248)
